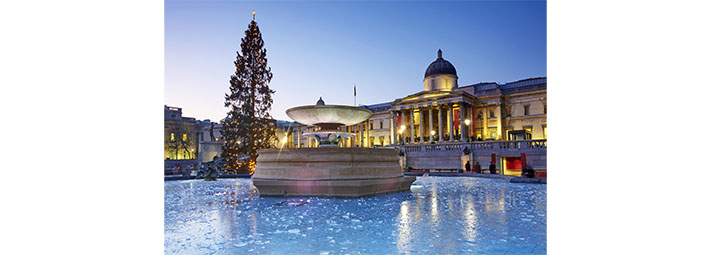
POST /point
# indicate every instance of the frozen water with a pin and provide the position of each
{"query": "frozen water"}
(445, 215)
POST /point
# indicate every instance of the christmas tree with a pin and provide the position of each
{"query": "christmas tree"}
(248, 126)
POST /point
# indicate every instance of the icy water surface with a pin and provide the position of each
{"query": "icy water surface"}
(441, 215)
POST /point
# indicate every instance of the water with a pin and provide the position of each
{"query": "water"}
(444, 215)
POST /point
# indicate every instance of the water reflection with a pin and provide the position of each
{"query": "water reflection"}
(403, 230)
(440, 215)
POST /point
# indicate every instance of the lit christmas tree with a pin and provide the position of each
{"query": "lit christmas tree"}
(248, 126)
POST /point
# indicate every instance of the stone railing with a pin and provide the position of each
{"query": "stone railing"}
(434, 147)
(478, 146)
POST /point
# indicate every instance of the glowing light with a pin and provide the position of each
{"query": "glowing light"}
(283, 141)
(467, 122)
(432, 132)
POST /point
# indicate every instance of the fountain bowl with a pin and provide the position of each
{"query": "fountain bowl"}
(328, 116)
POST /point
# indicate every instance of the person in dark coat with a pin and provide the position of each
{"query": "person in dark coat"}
(468, 167)
(529, 173)
(477, 167)
(492, 168)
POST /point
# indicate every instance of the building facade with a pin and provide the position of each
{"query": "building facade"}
(444, 113)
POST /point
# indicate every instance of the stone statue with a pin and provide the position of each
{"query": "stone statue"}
(212, 134)
(211, 170)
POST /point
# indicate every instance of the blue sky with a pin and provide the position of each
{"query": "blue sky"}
(320, 49)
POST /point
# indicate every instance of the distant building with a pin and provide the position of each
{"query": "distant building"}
(181, 135)
(181, 146)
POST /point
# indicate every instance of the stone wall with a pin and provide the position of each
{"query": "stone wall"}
(208, 150)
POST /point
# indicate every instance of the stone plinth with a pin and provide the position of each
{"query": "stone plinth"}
(339, 172)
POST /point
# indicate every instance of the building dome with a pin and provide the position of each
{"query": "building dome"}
(440, 75)
(440, 66)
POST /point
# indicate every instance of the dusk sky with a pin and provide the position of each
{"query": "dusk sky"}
(320, 49)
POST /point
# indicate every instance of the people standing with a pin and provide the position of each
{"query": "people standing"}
(492, 168)
(477, 167)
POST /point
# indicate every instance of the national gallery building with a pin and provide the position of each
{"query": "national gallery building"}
(481, 117)
(443, 111)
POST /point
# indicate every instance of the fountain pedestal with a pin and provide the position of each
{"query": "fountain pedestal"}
(338, 172)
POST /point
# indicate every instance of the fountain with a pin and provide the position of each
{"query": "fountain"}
(329, 170)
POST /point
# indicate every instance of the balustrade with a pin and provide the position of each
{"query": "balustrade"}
(480, 146)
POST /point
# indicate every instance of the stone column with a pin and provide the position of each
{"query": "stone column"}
(429, 131)
(367, 134)
(471, 117)
(485, 125)
(298, 141)
(362, 134)
(497, 111)
(393, 120)
(439, 122)
(412, 124)
(450, 121)
(422, 125)
(462, 133)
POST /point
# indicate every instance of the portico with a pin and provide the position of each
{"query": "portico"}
(437, 117)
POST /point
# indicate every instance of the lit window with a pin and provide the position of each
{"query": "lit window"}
(185, 137)
(525, 109)
(172, 137)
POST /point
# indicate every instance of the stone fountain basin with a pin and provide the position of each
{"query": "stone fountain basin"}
(339, 172)
(340, 114)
